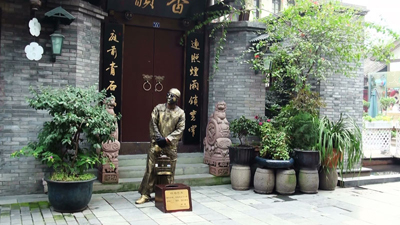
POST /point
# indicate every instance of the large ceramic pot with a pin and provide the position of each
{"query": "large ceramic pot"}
(274, 164)
(328, 179)
(332, 160)
(306, 160)
(328, 176)
(70, 196)
(241, 155)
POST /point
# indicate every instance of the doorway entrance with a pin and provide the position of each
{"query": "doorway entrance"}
(153, 63)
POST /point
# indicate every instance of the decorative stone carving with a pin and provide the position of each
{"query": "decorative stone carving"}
(108, 173)
(216, 142)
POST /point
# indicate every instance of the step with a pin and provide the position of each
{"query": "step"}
(140, 160)
(181, 169)
(132, 184)
(373, 179)
(356, 172)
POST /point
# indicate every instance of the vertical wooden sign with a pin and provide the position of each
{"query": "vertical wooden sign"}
(112, 62)
(193, 87)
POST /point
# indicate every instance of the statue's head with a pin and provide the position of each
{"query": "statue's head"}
(110, 102)
(173, 95)
(221, 106)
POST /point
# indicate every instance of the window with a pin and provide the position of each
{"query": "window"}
(290, 2)
(276, 6)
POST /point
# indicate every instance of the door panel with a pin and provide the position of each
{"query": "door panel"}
(168, 62)
(153, 52)
(136, 102)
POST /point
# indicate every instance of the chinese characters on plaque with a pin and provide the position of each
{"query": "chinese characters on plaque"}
(193, 86)
(178, 9)
(112, 61)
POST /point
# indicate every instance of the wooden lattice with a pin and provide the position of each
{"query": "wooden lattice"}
(377, 139)
(397, 141)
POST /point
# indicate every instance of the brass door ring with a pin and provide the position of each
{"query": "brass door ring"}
(144, 86)
(147, 78)
(159, 79)
(158, 84)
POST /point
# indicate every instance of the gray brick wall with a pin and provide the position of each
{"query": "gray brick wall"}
(343, 95)
(235, 83)
(78, 65)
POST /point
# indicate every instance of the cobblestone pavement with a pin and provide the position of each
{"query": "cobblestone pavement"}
(372, 204)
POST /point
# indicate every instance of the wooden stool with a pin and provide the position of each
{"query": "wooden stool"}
(163, 169)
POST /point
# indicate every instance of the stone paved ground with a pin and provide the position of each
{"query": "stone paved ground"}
(372, 204)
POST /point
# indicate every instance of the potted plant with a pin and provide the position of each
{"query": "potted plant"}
(242, 155)
(303, 132)
(386, 102)
(274, 155)
(337, 139)
(67, 143)
(241, 128)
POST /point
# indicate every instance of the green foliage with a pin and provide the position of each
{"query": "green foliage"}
(243, 127)
(273, 143)
(343, 135)
(307, 101)
(386, 102)
(304, 102)
(76, 114)
(317, 37)
(366, 104)
(302, 129)
(278, 96)
(377, 118)
(66, 177)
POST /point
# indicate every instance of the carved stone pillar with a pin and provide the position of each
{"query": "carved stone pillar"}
(108, 173)
(216, 142)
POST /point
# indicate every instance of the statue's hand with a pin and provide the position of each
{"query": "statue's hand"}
(161, 142)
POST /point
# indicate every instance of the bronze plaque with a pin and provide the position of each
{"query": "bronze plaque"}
(177, 199)
(173, 197)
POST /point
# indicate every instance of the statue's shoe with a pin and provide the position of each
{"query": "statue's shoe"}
(143, 199)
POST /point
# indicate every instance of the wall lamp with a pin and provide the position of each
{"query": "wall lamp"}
(58, 16)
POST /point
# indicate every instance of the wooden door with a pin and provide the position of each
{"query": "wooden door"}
(153, 52)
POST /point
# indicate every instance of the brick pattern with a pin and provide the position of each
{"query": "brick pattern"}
(343, 95)
(78, 65)
(88, 48)
(235, 83)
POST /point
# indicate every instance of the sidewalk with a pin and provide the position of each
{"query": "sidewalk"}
(372, 204)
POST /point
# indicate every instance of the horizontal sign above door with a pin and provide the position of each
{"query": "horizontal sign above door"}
(162, 8)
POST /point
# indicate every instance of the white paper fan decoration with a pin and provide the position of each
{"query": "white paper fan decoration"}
(34, 51)
(34, 27)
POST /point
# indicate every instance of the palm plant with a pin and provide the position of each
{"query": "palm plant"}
(341, 138)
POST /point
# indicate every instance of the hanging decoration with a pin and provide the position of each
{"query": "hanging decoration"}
(34, 27)
(34, 51)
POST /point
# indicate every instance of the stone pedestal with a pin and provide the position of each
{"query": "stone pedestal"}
(308, 181)
(240, 177)
(108, 173)
(264, 181)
